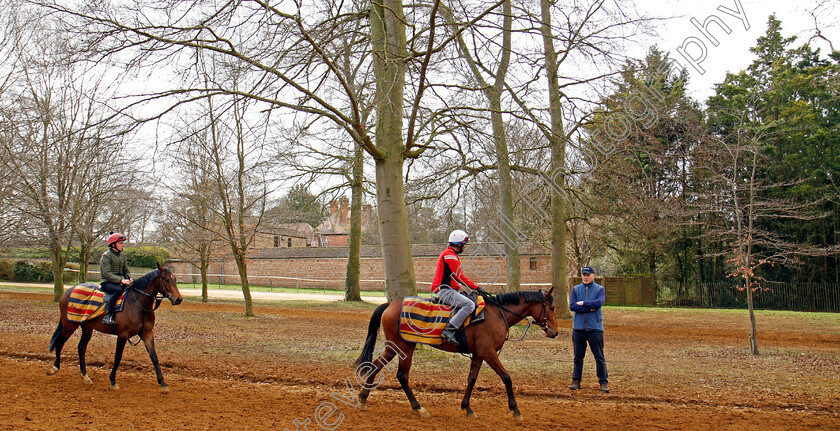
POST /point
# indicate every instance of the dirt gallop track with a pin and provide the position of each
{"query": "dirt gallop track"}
(289, 367)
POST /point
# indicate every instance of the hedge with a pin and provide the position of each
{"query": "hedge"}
(40, 272)
(146, 257)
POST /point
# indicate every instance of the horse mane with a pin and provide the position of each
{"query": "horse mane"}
(142, 282)
(513, 298)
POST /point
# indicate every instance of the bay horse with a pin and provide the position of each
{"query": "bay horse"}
(485, 339)
(136, 318)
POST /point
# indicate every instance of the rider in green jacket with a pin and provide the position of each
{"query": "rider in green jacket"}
(115, 277)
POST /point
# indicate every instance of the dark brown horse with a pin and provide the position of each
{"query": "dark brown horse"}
(485, 340)
(136, 318)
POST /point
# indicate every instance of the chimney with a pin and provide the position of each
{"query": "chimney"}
(333, 207)
(345, 210)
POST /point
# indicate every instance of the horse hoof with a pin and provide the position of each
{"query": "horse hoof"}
(52, 370)
(115, 387)
(164, 389)
(518, 417)
(87, 379)
(472, 415)
(362, 406)
(422, 412)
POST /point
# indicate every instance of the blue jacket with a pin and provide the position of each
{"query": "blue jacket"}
(588, 316)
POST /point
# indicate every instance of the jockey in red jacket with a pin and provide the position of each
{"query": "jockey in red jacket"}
(448, 278)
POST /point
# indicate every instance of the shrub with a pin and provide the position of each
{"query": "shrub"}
(40, 272)
(146, 257)
(7, 267)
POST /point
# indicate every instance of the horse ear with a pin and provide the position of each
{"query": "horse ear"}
(159, 268)
(549, 291)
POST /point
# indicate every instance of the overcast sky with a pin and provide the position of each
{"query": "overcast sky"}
(732, 53)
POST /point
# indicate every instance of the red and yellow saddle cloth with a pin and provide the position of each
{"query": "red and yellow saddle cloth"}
(422, 321)
(86, 302)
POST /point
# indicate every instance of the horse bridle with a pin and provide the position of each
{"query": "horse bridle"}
(157, 297)
(542, 321)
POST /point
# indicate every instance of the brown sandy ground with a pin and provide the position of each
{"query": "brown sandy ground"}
(669, 369)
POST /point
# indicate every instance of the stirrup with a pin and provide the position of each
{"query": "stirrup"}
(449, 335)
(109, 319)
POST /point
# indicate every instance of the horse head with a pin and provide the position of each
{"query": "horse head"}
(543, 314)
(168, 286)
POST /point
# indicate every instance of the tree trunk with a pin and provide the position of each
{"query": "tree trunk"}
(203, 265)
(494, 96)
(652, 270)
(242, 266)
(509, 235)
(748, 257)
(389, 53)
(58, 263)
(753, 339)
(352, 290)
(84, 258)
(393, 229)
(557, 141)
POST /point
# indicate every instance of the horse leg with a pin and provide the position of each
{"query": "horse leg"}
(60, 336)
(475, 366)
(87, 331)
(493, 361)
(402, 376)
(149, 340)
(371, 370)
(118, 352)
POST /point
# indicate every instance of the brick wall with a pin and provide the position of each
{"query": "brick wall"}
(482, 270)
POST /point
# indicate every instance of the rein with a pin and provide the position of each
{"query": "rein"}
(158, 298)
(542, 321)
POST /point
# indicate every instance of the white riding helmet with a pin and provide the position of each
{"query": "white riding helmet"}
(458, 237)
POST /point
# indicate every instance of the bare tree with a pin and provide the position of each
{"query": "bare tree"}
(745, 201)
(191, 226)
(56, 145)
(104, 185)
(289, 51)
(578, 55)
(239, 173)
(493, 93)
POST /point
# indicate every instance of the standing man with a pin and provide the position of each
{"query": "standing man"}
(586, 300)
(449, 276)
(113, 268)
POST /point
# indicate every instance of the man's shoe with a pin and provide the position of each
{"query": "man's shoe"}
(605, 387)
(575, 385)
(108, 320)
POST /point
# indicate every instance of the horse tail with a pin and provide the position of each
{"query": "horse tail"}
(56, 336)
(373, 332)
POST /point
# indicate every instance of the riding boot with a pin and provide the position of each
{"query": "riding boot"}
(109, 311)
(449, 334)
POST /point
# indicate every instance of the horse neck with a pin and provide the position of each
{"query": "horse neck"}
(147, 301)
(520, 309)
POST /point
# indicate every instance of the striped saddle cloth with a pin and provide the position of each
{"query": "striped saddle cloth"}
(86, 302)
(422, 321)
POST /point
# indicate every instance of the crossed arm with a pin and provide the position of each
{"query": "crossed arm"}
(586, 306)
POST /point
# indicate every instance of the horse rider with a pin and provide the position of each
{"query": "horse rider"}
(446, 285)
(115, 277)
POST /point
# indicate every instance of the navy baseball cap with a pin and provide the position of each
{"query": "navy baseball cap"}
(587, 270)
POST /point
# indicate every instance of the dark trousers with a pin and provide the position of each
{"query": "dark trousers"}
(595, 339)
(117, 289)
